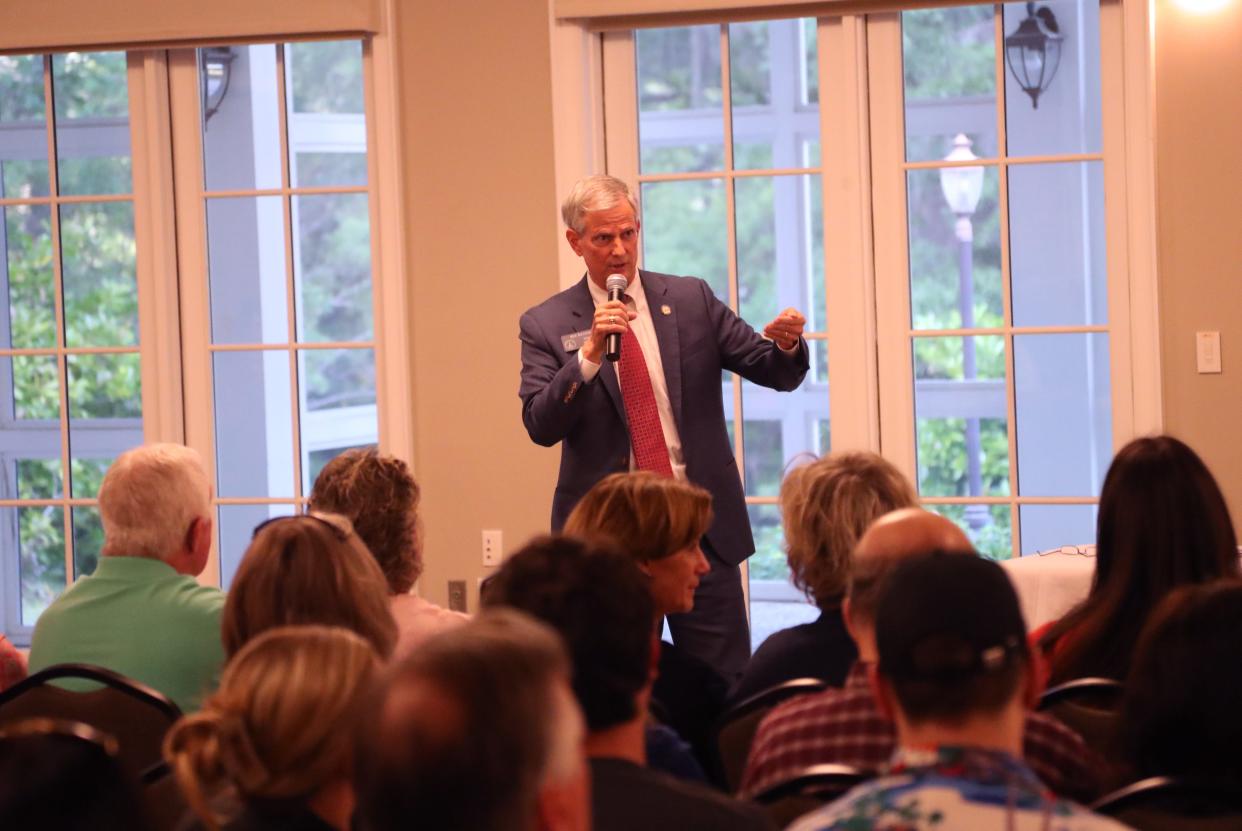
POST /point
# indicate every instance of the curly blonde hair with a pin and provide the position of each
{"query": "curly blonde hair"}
(826, 506)
(280, 724)
(649, 516)
(378, 494)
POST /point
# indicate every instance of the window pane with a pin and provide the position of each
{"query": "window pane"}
(810, 60)
(36, 388)
(88, 474)
(949, 64)
(23, 130)
(1061, 284)
(38, 478)
(87, 540)
(325, 77)
(776, 230)
(680, 116)
(246, 269)
(254, 424)
(327, 128)
(1051, 526)
(101, 281)
(1064, 410)
(1068, 116)
(772, 116)
(333, 267)
(236, 524)
(819, 361)
(241, 123)
(41, 555)
(779, 426)
(685, 231)
(960, 414)
(92, 122)
(105, 415)
(955, 273)
(989, 527)
(27, 244)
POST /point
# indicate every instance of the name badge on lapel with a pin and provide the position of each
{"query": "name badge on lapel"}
(574, 340)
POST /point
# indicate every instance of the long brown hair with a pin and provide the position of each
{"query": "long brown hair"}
(308, 569)
(1163, 523)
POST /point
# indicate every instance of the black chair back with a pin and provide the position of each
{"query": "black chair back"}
(735, 731)
(810, 788)
(135, 714)
(1089, 706)
(1165, 803)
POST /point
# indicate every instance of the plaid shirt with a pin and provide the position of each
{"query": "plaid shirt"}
(844, 727)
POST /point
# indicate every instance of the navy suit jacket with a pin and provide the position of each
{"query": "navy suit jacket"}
(699, 338)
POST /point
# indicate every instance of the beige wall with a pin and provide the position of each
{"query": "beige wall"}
(480, 206)
(1199, 237)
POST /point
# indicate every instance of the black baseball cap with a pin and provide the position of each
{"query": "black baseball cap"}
(948, 616)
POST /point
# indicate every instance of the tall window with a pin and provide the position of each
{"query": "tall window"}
(287, 215)
(266, 281)
(889, 175)
(70, 381)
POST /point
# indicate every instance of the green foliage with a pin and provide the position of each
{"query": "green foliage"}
(678, 68)
(949, 52)
(326, 76)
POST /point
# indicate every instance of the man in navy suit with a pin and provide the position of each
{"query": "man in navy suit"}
(684, 337)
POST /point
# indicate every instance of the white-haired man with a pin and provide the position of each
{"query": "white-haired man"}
(658, 405)
(142, 613)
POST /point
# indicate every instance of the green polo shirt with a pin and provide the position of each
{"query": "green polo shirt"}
(138, 617)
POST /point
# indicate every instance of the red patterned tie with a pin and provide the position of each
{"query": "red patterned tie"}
(646, 434)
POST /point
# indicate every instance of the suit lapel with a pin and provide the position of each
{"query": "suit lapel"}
(583, 309)
(665, 326)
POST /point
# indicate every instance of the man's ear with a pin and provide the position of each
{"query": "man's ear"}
(882, 691)
(198, 543)
(574, 240)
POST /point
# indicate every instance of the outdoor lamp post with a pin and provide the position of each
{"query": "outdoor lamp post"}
(1033, 51)
(962, 186)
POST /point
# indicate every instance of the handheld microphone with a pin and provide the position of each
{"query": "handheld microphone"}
(615, 285)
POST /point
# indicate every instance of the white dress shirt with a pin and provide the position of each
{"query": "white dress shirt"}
(644, 333)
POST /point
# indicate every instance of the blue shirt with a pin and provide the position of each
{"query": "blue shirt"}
(949, 788)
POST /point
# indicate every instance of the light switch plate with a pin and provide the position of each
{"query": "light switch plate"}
(1207, 352)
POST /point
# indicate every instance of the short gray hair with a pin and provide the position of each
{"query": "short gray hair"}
(594, 193)
(149, 497)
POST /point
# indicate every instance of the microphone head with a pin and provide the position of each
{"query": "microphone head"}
(616, 282)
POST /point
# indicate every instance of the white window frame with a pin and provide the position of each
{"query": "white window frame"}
(173, 314)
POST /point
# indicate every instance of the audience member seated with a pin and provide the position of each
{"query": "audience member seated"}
(142, 613)
(1181, 715)
(1162, 523)
(847, 726)
(310, 568)
(379, 496)
(12, 664)
(956, 676)
(66, 776)
(825, 507)
(598, 601)
(273, 747)
(476, 730)
(660, 522)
